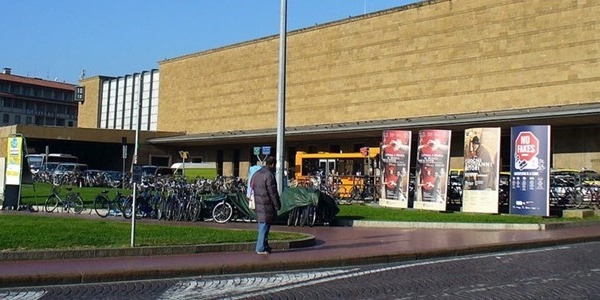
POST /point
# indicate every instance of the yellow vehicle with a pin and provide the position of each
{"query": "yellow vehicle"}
(339, 172)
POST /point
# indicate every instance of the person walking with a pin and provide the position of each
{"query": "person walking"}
(267, 202)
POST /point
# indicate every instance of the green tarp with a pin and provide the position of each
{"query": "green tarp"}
(292, 197)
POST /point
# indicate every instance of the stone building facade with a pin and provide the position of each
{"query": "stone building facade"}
(448, 64)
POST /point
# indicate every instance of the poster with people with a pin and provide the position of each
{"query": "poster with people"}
(395, 159)
(481, 170)
(529, 172)
(431, 174)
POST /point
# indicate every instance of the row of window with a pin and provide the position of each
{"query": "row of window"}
(31, 106)
(39, 120)
(36, 91)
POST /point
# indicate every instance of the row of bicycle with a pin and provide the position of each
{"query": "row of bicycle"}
(174, 200)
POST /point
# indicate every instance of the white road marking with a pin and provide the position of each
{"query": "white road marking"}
(22, 295)
(239, 288)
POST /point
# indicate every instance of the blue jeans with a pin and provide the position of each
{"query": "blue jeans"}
(262, 244)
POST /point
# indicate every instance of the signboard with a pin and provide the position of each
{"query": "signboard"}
(13, 161)
(266, 150)
(395, 158)
(481, 170)
(431, 174)
(256, 150)
(136, 175)
(530, 175)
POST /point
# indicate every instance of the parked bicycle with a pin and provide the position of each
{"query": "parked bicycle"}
(72, 202)
(105, 206)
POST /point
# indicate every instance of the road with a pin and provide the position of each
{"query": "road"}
(561, 272)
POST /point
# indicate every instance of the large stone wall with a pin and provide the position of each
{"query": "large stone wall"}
(431, 58)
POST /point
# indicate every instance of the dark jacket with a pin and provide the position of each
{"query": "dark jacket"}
(265, 195)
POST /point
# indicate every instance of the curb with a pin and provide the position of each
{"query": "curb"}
(471, 226)
(148, 251)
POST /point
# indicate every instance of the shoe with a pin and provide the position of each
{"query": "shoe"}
(262, 252)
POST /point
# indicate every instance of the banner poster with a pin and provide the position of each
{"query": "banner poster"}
(530, 175)
(481, 166)
(431, 174)
(13, 161)
(395, 158)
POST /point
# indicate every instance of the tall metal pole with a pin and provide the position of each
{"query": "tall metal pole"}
(135, 156)
(281, 101)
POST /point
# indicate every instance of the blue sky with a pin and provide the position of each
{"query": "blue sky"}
(56, 40)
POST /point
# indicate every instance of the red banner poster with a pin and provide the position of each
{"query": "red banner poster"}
(431, 174)
(395, 158)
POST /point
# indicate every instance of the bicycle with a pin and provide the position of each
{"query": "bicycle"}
(72, 201)
(104, 206)
(363, 189)
(222, 211)
(303, 215)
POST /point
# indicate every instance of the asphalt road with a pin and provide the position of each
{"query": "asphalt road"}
(561, 272)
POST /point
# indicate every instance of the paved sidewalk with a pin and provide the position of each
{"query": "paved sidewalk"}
(333, 246)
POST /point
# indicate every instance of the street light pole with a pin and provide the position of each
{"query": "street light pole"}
(135, 156)
(281, 99)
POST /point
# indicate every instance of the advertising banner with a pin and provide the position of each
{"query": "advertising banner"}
(530, 175)
(395, 158)
(481, 170)
(431, 174)
(13, 161)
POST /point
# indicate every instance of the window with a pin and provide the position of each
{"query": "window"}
(28, 120)
(17, 119)
(18, 104)
(5, 118)
(7, 102)
(61, 109)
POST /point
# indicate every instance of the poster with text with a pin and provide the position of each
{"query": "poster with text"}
(13, 161)
(481, 170)
(530, 176)
(395, 158)
(431, 174)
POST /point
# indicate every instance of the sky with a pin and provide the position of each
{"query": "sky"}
(57, 40)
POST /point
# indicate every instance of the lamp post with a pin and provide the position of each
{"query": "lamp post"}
(135, 156)
(281, 99)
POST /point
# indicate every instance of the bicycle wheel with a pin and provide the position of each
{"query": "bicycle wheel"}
(222, 212)
(76, 203)
(102, 206)
(161, 209)
(301, 218)
(292, 217)
(580, 197)
(194, 210)
(127, 208)
(312, 215)
(51, 203)
(356, 193)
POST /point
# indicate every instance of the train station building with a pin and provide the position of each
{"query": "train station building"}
(438, 64)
